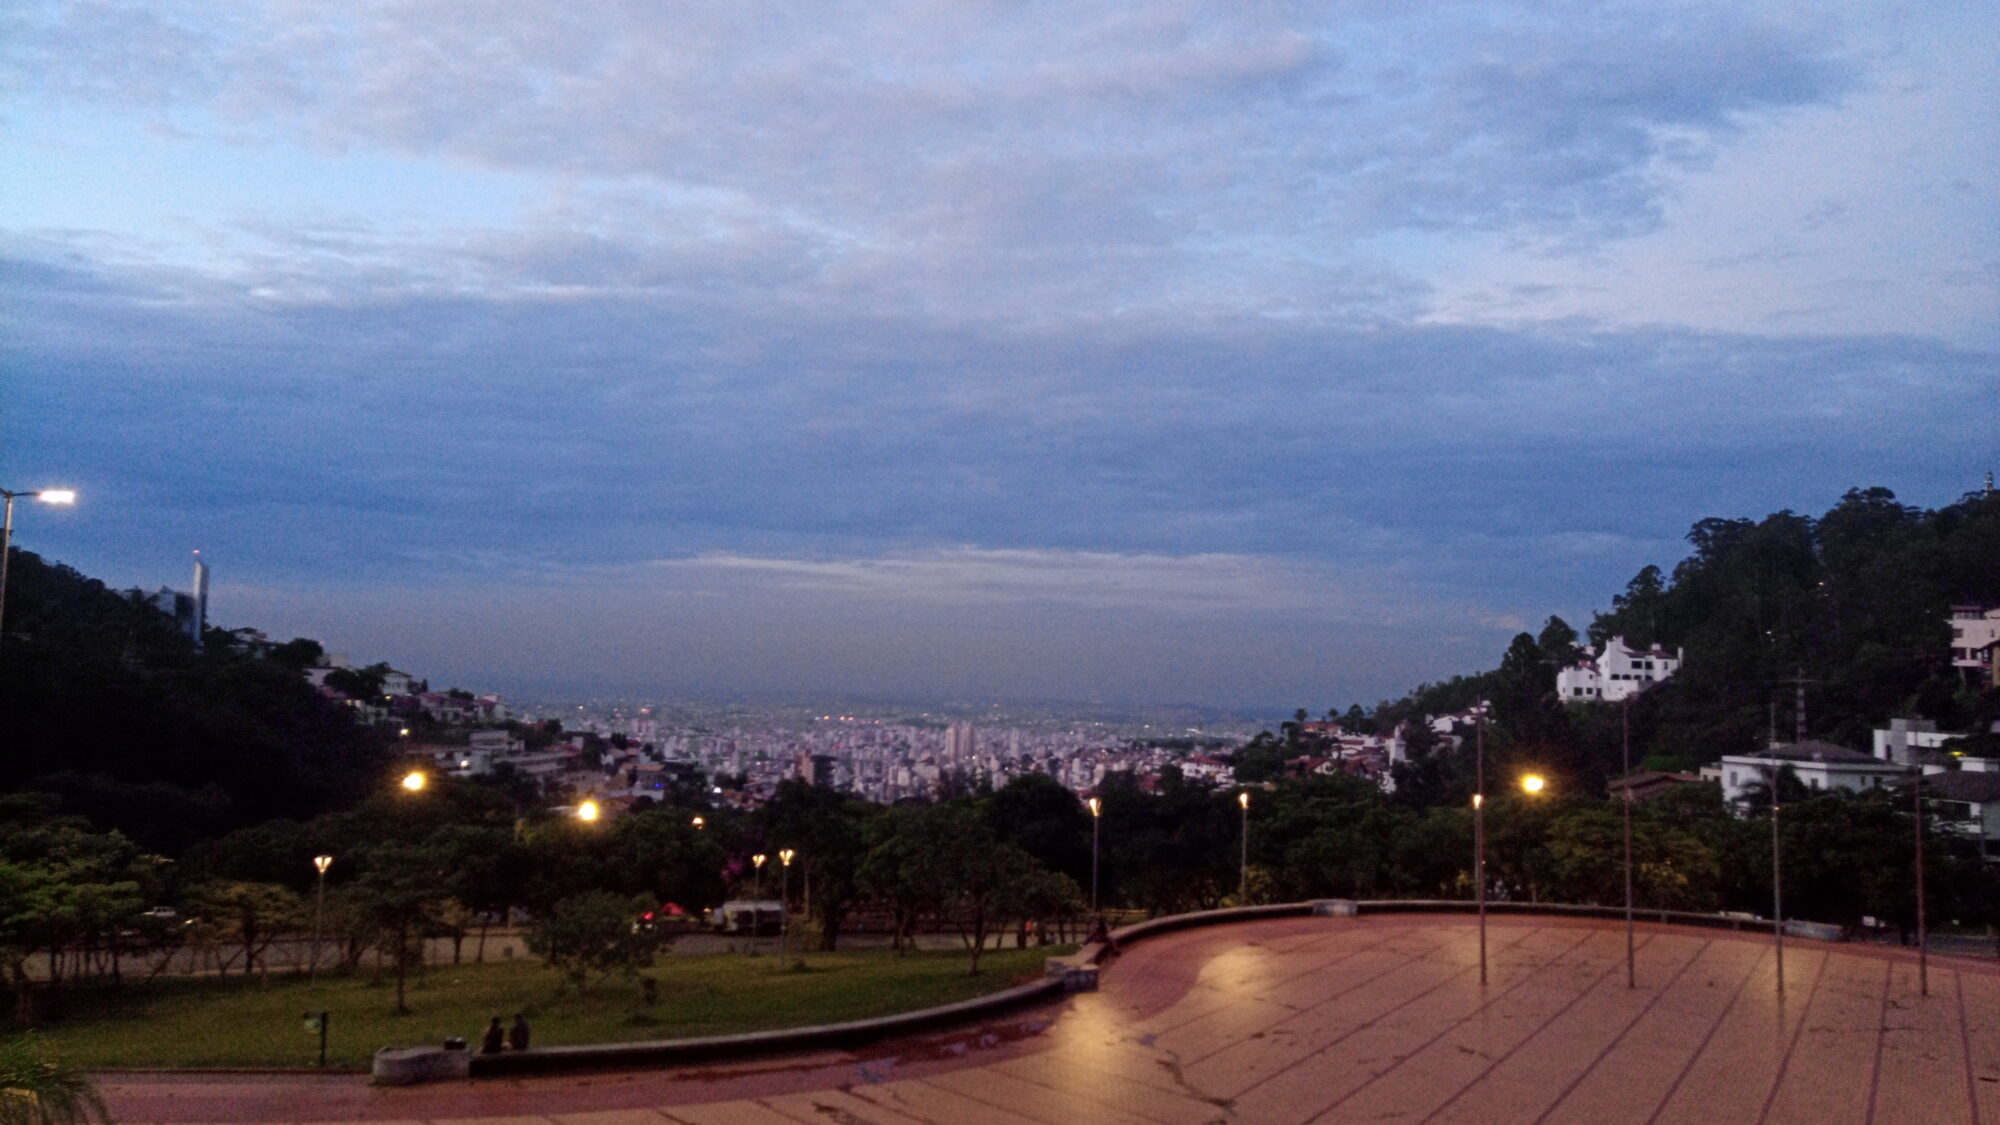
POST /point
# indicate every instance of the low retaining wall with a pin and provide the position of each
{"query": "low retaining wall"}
(667, 1052)
(401, 1065)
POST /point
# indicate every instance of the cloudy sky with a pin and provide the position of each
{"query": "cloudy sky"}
(1254, 353)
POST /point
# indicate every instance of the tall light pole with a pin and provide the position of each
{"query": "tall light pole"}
(1479, 838)
(320, 864)
(1923, 946)
(1096, 814)
(46, 496)
(1777, 880)
(1243, 879)
(1631, 948)
(756, 904)
(785, 904)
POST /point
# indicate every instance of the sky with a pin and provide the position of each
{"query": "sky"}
(1259, 354)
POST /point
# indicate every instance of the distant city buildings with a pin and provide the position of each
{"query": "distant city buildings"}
(1617, 672)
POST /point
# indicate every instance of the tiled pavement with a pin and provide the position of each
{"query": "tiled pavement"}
(1379, 1018)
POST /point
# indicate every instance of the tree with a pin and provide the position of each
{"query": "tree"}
(829, 831)
(594, 932)
(1042, 816)
(399, 896)
(251, 914)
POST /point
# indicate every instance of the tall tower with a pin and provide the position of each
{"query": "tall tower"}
(198, 620)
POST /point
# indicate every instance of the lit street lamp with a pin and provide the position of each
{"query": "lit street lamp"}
(756, 904)
(415, 780)
(1533, 784)
(320, 864)
(1243, 879)
(46, 496)
(1096, 814)
(785, 904)
(700, 824)
(1479, 839)
(588, 812)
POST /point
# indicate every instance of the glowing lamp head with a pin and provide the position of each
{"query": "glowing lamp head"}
(1478, 800)
(1243, 799)
(322, 862)
(700, 824)
(1534, 783)
(414, 781)
(57, 495)
(759, 859)
(786, 856)
(1096, 806)
(588, 811)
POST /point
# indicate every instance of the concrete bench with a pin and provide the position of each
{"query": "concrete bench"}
(407, 1066)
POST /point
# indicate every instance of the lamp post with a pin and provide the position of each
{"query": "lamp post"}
(320, 864)
(785, 905)
(1923, 946)
(46, 496)
(1479, 838)
(1096, 814)
(1631, 949)
(1777, 881)
(1243, 879)
(414, 781)
(756, 861)
(588, 812)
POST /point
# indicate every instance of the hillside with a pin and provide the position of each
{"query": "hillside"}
(1856, 601)
(107, 705)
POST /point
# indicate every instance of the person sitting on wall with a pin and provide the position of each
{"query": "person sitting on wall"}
(495, 1039)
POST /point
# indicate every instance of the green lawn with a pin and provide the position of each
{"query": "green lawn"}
(204, 1022)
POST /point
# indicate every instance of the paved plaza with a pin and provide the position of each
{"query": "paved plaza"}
(1378, 1018)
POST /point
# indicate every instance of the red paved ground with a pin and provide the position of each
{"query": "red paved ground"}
(1378, 1018)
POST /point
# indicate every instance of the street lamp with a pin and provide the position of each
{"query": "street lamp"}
(1631, 949)
(1533, 784)
(588, 812)
(46, 496)
(1243, 879)
(1923, 946)
(320, 864)
(1479, 840)
(757, 904)
(1777, 879)
(415, 780)
(1096, 814)
(700, 824)
(785, 903)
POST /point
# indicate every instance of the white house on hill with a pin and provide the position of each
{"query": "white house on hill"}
(1618, 672)
(1818, 765)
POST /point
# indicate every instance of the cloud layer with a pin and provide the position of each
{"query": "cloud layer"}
(1421, 321)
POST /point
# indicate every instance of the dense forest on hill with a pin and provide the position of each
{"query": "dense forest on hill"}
(112, 708)
(1855, 602)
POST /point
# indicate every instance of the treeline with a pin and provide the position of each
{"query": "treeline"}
(111, 707)
(461, 856)
(1854, 602)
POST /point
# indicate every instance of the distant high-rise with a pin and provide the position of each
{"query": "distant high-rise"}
(198, 616)
(959, 745)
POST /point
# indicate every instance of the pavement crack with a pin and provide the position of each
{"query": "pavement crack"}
(1170, 1061)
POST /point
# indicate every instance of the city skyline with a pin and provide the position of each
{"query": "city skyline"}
(1175, 356)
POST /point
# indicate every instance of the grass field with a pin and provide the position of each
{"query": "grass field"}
(209, 1023)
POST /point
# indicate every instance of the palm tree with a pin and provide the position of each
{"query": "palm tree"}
(40, 1090)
